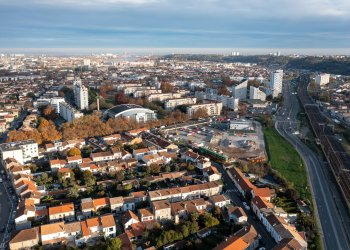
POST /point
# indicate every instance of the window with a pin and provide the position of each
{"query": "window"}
(110, 229)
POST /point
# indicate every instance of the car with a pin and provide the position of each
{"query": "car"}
(246, 206)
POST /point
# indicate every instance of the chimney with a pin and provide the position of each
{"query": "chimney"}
(98, 103)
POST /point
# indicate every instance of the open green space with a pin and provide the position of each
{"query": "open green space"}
(287, 162)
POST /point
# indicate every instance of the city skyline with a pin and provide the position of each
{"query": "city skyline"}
(174, 24)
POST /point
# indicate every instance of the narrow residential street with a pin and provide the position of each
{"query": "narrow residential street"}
(234, 195)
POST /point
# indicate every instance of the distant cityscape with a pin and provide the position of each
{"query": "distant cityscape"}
(167, 152)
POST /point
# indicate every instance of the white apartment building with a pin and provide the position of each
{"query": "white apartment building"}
(275, 84)
(322, 79)
(213, 108)
(173, 103)
(55, 103)
(256, 93)
(239, 91)
(22, 151)
(69, 113)
(81, 95)
(163, 96)
(227, 101)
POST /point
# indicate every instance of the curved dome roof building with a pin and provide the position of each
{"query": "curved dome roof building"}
(131, 111)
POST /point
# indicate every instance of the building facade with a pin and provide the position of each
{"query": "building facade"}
(81, 95)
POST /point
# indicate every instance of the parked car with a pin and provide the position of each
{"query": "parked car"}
(246, 206)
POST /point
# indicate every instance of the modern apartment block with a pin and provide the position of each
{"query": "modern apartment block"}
(173, 103)
(275, 84)
(322, 79)
(69, 113)
(227, 101)
(213, 108)
(239, 91)
(81, 95)
(22, 151)
(257, 93)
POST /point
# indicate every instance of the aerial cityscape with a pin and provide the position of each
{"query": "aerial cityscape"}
(134, 124)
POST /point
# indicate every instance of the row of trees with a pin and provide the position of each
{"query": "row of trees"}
(45, 132)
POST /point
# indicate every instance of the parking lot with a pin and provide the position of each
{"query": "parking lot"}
(218, 137)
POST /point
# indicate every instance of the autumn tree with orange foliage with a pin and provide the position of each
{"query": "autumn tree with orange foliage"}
(86, 126)
(74, 152)
(24, 135)
(166, 87)
(49, 113)
(200, 113)
(48, 131)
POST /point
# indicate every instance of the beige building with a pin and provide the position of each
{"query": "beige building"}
(213, 108)
(173, 103)
(161, 210)
(26, 238)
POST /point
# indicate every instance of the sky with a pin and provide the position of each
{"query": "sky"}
(255, 24)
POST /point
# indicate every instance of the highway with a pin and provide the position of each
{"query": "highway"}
(332, 216)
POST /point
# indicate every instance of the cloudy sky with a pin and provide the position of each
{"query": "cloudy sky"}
(175, 23)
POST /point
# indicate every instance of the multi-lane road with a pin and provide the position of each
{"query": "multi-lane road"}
(333, 219)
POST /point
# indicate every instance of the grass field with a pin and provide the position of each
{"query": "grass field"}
(285, 160)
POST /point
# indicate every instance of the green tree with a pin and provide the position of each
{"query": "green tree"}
(89, 178)
(73, 192)
(208, 220)
(113, 244)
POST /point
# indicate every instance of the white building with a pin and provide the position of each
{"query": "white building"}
(322, 79)
(239, 91)
(22, 151)
(131, 111)
(55, 103)
(87, 62)
(275, 84)
(227, 101)
(213, 108)
(241, 125)
(81, 95)
(173, 103)
(69, 113)
(256, 93)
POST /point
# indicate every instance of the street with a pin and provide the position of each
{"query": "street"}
(333, 219)
(269, 243)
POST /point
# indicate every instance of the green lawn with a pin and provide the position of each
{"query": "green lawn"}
(286, 161)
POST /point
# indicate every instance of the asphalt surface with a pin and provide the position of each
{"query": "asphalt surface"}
(333, 219)
(234, 195)
(8, 199)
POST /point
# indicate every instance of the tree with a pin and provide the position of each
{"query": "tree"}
(114, 244)
(222, 90)
(48, 130)
(217, 212)
(30, 94)
(121, 98)
(155, 168)
(166, 87)
(49, 113)
(190, 167)
(88, 178)
(73, 192)
(73, 152)
(208, 220)
(200, 113)
(120, 176)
